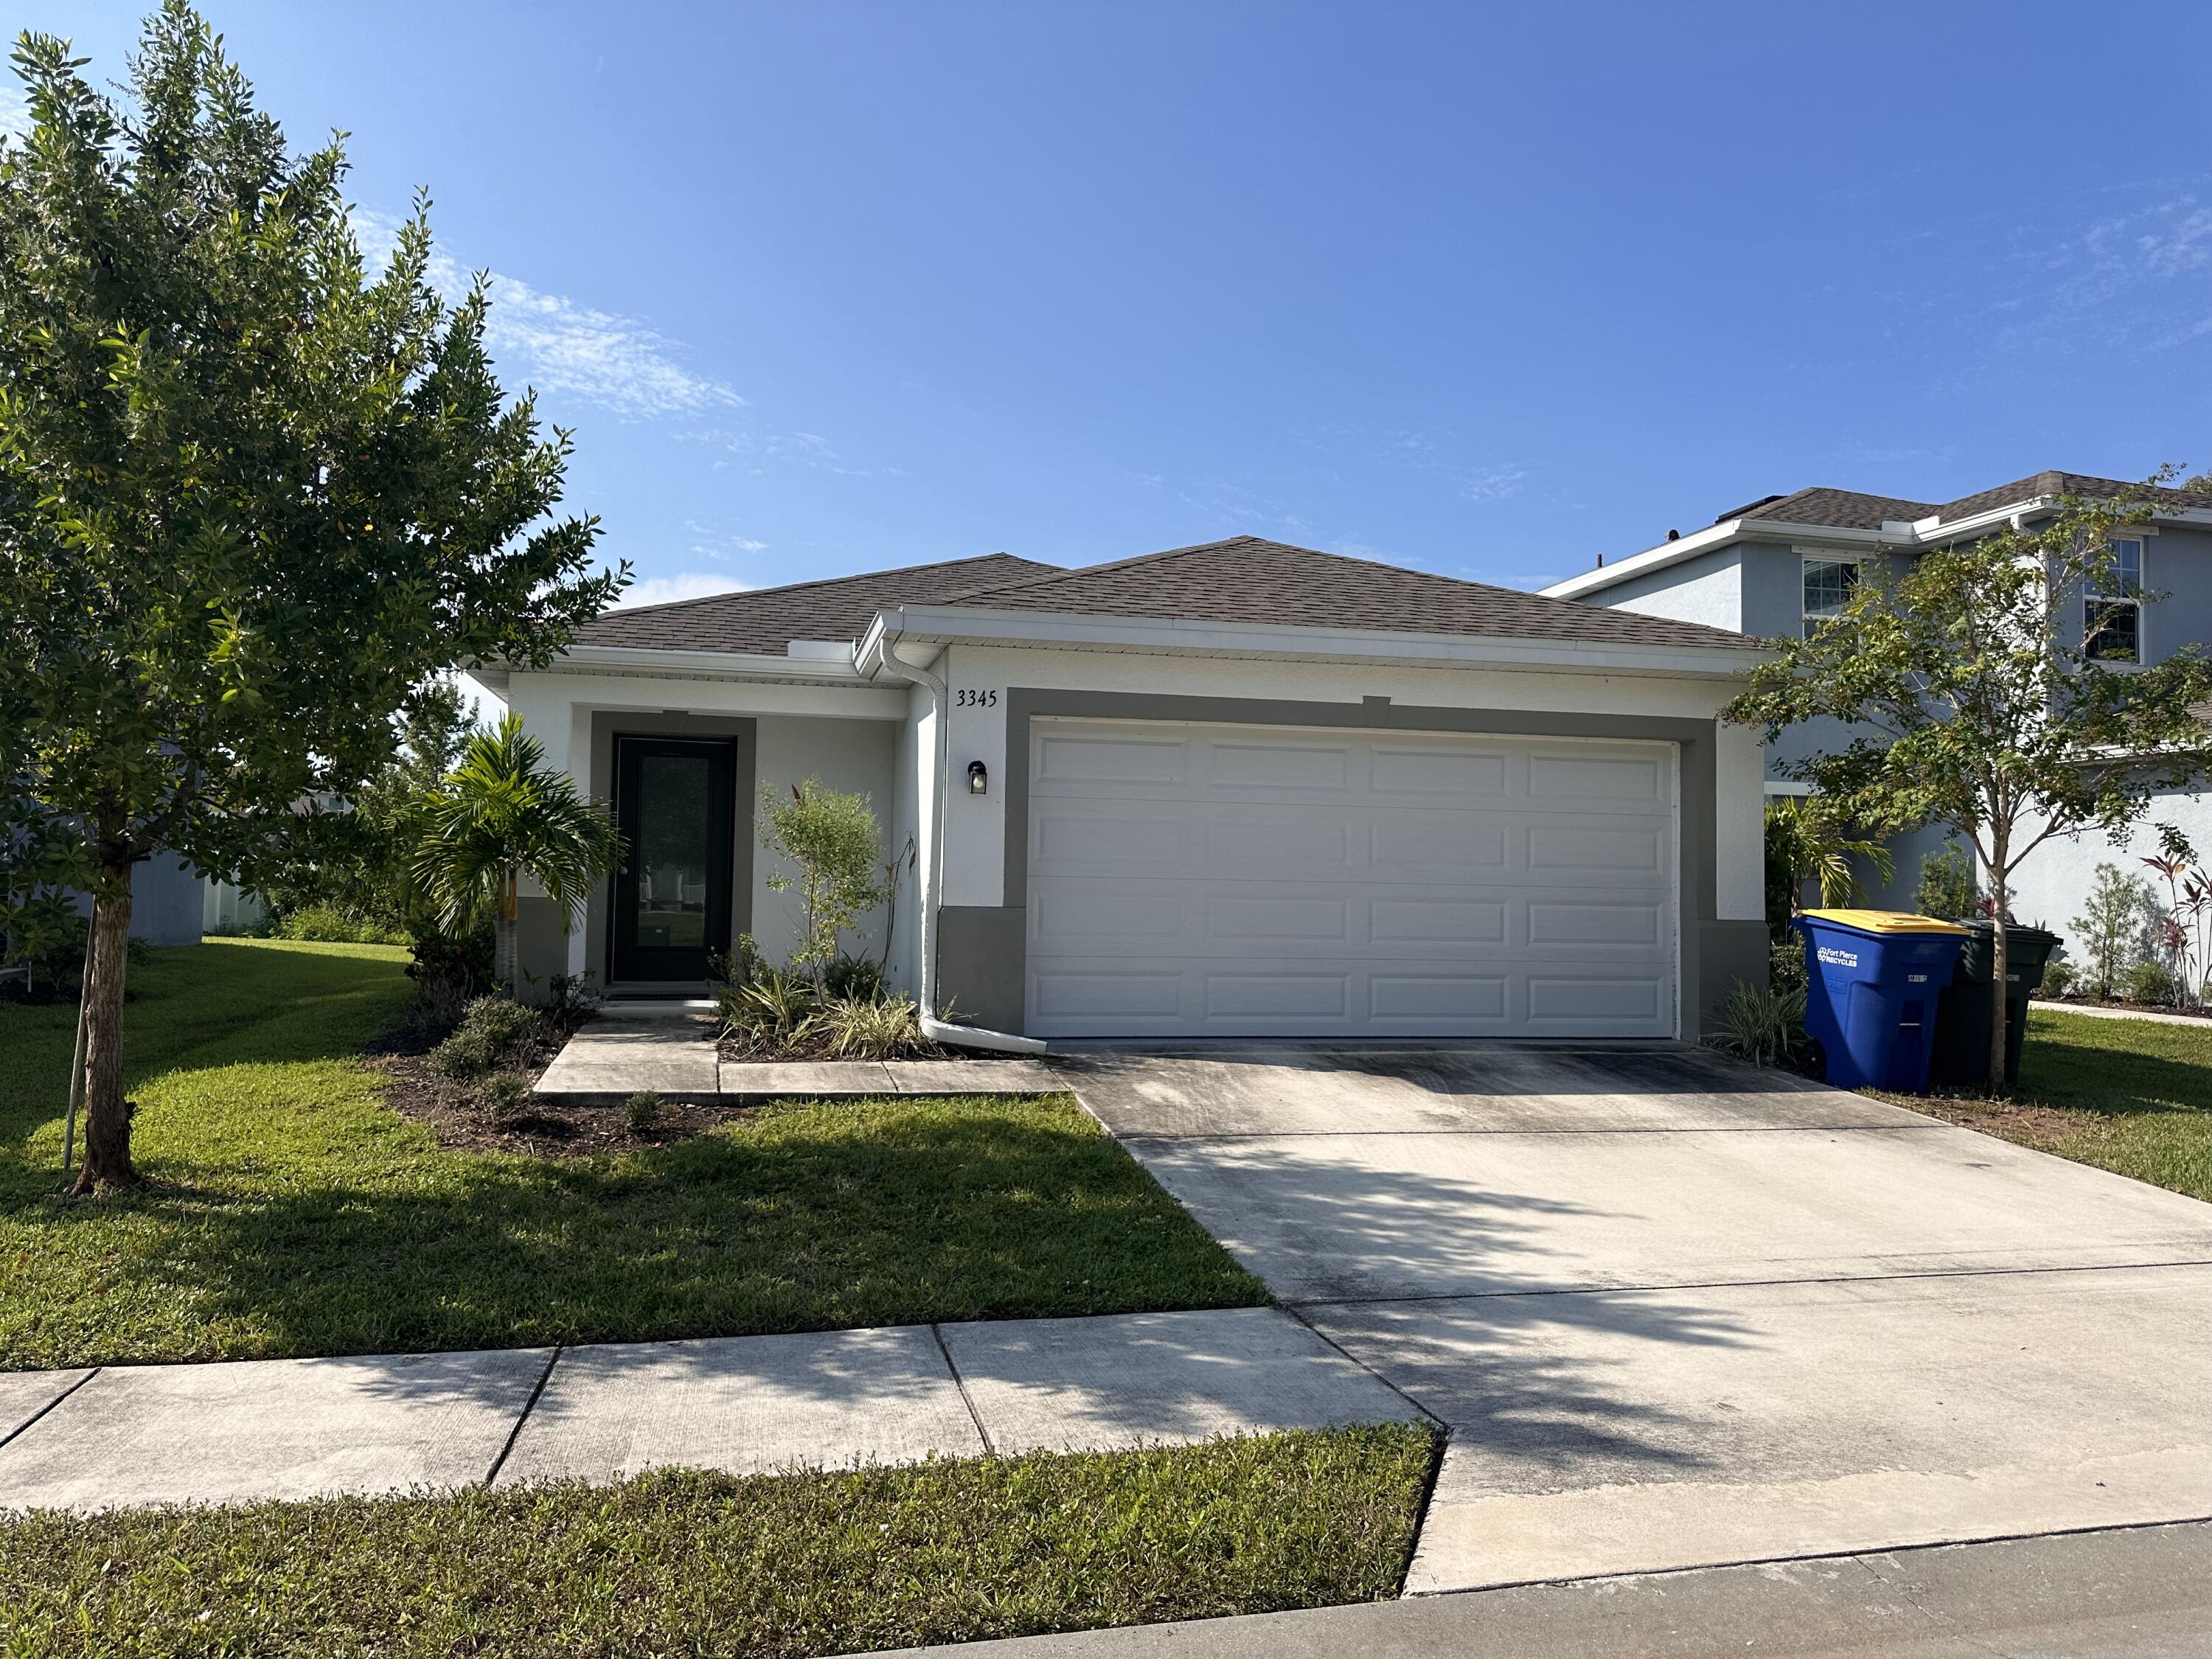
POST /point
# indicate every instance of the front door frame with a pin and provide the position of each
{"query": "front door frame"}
(607, 725)
(630, 962)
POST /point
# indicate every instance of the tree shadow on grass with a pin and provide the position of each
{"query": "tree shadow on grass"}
(2057, 1070)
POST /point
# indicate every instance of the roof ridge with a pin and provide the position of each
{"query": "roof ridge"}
(1060, 573)
(818, 581)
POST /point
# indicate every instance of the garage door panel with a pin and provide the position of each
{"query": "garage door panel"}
(1455, 999)
(1232, 920)
(1598, 848)
(1103, 998)
(1596, 923)
(1122, 914)
(1069, 838)
(1559, 777)
(1443, 846)
(1318, 768)
(1258, 882)
(1069, 761)
(1475, 778)
(1248, 843)
(1425, 922)
(1579, 1000)
(1243, 995)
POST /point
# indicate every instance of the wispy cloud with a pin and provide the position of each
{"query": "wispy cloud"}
(14, 112)
(566, 349)
(617, 364)
(2185, 243)
(690, 584)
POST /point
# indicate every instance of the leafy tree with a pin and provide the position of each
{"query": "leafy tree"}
(365, 867)
(834, 839)
(1979, 707)
(504, 814)
(250, 497)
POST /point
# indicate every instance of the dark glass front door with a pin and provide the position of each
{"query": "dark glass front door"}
(675, 801)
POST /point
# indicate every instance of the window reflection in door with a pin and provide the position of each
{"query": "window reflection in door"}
(674, 825)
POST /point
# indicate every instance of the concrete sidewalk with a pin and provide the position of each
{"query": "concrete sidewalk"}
(2144, 1593)
(129, 1435)
(675, 1057)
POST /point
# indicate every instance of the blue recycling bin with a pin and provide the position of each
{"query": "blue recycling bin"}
(1872, 980)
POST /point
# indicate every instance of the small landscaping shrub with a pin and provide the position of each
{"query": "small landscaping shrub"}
(834, 840)
(506, 1094)
(2058, 979)
(450, 971)
(641, 1112)
(1947, 886)
(774, 1010)
(491, 1031)
(2114, 927)
(2149, 981)
(1766, 1027)
(327, 924)
(853, 979)
(874, 1029)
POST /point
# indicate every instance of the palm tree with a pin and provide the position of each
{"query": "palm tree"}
(502, 814)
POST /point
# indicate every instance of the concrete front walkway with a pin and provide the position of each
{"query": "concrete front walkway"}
(124, 1435)
(674, 1055)
(1680, 1313)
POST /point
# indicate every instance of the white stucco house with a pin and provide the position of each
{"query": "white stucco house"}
(1232, 790)
(1777, 565)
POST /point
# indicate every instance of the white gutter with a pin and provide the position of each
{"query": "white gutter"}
(1164, 636)
(749, 664)
(879, 652)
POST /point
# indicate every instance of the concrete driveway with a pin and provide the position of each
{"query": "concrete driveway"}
(1680, 1313)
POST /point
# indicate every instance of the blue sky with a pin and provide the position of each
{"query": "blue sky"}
(1486, 290)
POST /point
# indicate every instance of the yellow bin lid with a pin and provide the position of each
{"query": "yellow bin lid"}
(1885, 921)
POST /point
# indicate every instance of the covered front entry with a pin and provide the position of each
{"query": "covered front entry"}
(675, 804)
(1193, 879)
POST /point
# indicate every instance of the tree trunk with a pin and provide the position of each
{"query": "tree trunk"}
(508, 969)
(1999, 1007)
(107, 1114)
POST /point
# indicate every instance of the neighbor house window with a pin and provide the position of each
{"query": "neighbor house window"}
(2112, 607)
(1829, 585)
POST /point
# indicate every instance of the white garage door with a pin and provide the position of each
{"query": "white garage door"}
(1240, 881)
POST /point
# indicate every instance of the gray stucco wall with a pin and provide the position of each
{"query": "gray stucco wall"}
(981, 950)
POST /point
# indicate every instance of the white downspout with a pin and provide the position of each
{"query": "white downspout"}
(886, 656)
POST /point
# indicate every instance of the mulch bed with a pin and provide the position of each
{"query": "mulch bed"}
(2010, 1119)
(452, 1111)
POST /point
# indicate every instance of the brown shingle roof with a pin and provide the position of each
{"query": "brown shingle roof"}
(768, 619)
(1247, 579)
(1848, 509)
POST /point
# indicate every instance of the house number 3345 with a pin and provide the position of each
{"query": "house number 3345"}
(968, 697)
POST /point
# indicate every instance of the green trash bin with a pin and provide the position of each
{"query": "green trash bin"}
(1962, 1012)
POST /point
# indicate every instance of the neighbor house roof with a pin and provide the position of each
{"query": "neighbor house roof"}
(1884, 520)
(1847, 509)
(1243, 579)
(767, 620)
(1247, 579)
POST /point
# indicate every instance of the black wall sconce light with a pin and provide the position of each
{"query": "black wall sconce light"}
(979, 779)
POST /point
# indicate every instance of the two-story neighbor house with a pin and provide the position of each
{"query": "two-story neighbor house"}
(1779, 565)
(1238, 789)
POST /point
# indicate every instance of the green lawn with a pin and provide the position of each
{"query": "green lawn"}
(290, 1212)
(2132, 1096)
(699, 1564)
